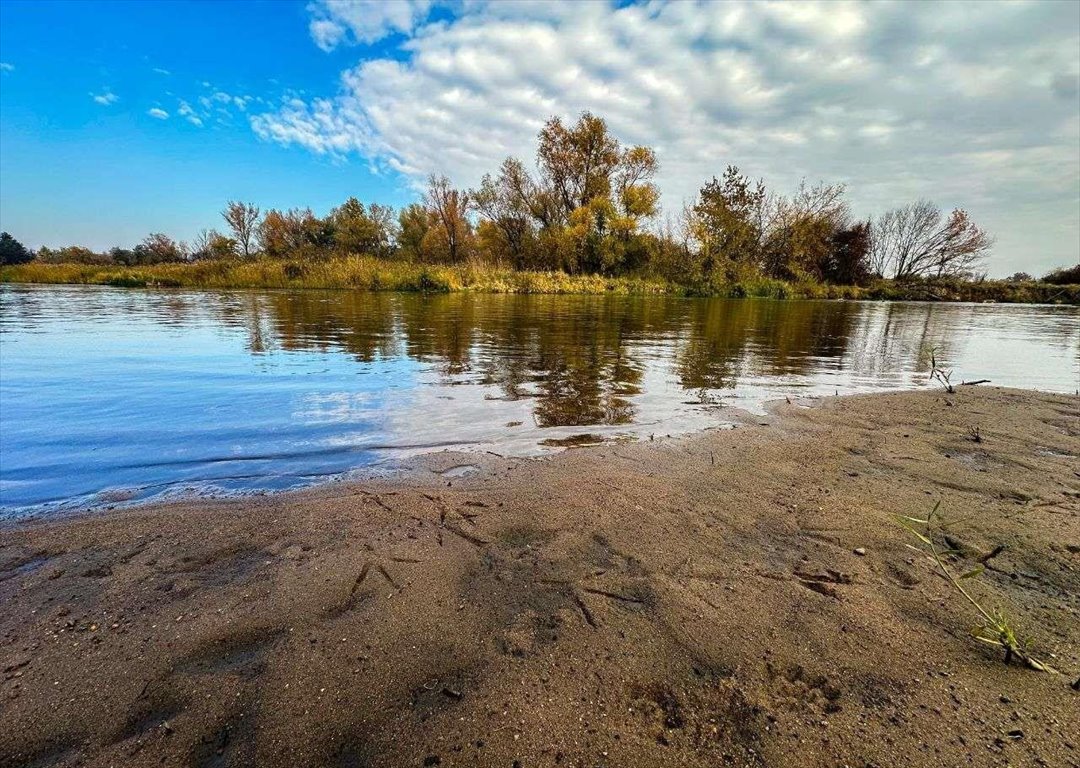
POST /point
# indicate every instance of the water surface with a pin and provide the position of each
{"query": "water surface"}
(109, 395)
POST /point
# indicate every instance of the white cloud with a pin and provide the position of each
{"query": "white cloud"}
(5, 67)
(161, 71)
(973, 106)
(105, 98)
(157, 113)
(186, 111)
(335, 22)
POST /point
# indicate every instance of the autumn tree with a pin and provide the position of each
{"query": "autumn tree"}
(118, 255)
(413, 226)
(211, 244)
(12, 251)
(449, 234)
(800, 231)
(849, 262)
(1063, 276)
(577, 162)
(159, 248)
(961, 247)
(675, 251)
(243, 220)
(296, 232)
(77, 254)
(200, 244)
(363, 229)
(508, 226)
(636, 194)
(729, 220)
(279, 233)
(591, 197)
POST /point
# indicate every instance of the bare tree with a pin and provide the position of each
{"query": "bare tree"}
(200, 244)
(917, 241)
(211, 244)
(242, 219)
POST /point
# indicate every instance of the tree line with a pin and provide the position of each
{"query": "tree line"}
(590, 205)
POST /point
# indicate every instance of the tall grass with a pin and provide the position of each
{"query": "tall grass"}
(352, 272)
(374, 274)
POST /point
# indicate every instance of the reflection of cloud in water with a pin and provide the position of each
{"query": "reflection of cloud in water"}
(336, 408)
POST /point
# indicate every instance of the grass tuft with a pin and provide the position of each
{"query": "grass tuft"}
(994, 628)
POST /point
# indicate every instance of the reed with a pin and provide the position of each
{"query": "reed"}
(357, 272)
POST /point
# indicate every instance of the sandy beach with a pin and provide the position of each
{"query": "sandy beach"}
(742, 597)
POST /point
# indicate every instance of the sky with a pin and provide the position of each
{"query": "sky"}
(120, 119)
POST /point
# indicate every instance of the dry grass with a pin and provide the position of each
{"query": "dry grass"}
(374, 274)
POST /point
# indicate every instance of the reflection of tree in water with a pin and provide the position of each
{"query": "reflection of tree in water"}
(572, 355)
(579, 357)
(247, 311)
(792, 338)
(569, 353)
(712, 346)
(441, 330)
(586, 383)
(256, 333)
(724, 338)
(566, 352)
(361, 324)
(582, 359)
(897, 337)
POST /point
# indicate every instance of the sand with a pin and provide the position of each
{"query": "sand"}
(740, 597)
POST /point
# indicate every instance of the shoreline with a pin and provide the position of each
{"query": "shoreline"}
(697, 600)
(422, 467)
(378, 275)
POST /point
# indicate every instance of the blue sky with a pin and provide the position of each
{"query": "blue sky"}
(104, 172)
(118, 119)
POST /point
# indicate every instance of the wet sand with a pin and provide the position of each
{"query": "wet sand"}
(739, 597)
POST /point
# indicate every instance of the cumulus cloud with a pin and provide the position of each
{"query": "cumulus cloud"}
(186, 111)
(5, 67)
(337, 22)
(158, 113)
(973, 106)
(105, 98)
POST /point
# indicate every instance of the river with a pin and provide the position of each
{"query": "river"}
(112, 396)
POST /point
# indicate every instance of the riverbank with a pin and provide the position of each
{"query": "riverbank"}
(738, 597)
(366, 273)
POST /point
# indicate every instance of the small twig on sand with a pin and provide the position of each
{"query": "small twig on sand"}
(992, 554)
(973, 383)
